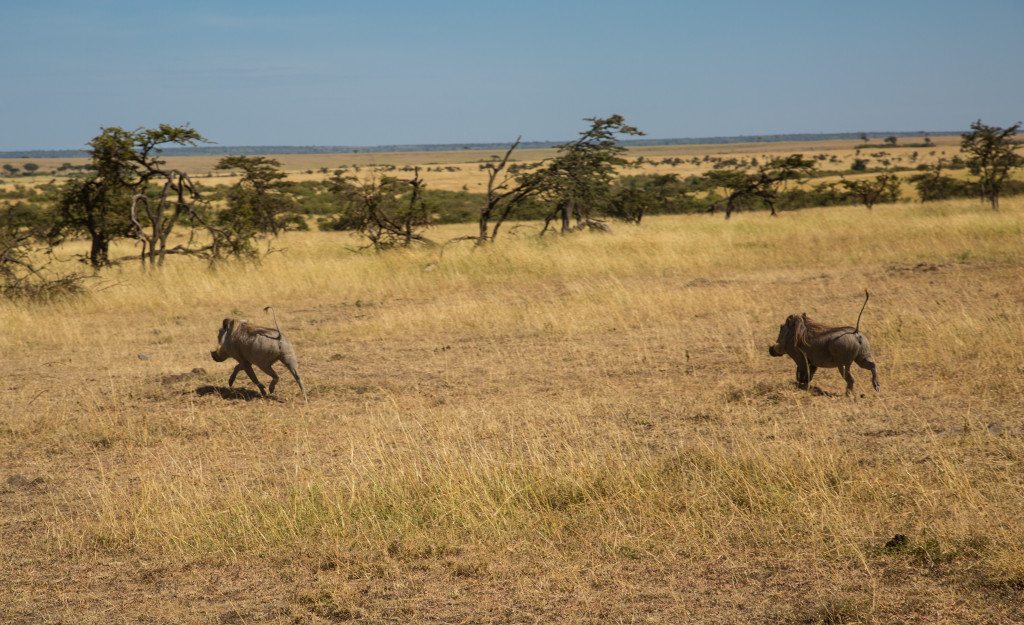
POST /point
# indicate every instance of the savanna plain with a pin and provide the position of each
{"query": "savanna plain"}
(584, 429)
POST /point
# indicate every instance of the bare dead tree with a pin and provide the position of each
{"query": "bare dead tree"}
(416, 213)
(505, 191)
(177, 199)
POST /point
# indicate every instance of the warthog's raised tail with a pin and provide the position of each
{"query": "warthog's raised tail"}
(855, 329)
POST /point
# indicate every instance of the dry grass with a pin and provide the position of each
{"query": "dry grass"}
(585, 429)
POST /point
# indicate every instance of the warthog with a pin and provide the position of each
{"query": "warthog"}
(254, 345)
(812, 345)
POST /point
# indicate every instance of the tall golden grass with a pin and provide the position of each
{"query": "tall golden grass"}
(591, 412)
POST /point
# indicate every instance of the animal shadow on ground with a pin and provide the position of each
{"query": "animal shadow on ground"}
(820, 392)
(231, 394)
(817, 391)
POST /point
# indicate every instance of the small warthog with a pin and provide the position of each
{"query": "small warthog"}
(812, 345)
(254, 345)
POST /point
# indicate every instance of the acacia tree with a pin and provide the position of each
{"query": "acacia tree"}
(388, 211)
(884, 188)
(98, 207)
(24, 249)
(933, 185)
(577, 180)
(763, 185)
(633, 196)
(992, 156)
(262, 196)
(114, 200)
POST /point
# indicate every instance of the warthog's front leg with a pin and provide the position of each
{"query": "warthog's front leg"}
(234, 374)
(804, 375)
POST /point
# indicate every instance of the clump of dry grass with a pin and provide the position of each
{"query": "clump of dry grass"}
(596, 413)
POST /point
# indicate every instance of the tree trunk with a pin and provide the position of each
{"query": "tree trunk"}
(485, 216)
(99, 251)
(563, 209)
(506, 211)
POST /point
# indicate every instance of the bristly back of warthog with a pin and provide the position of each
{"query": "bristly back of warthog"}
(812, 345)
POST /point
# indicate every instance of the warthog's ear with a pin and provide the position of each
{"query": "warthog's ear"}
(226, 327)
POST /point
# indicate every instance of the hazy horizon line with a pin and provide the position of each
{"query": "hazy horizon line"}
(213, 148)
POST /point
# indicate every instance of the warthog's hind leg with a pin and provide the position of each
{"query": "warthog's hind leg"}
(294, 370)
(269, 370)
(845, 371)
(255, 380)
(864, 363)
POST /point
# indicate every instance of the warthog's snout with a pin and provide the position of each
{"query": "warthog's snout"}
(217, 358)
(775, 351)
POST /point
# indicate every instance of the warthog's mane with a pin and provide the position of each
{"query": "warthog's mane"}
(245, 331)
(805, 329)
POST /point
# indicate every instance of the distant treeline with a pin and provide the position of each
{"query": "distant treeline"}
(129, 191)
(255, 150)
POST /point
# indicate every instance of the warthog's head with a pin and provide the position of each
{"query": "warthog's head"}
(226, 328)
(788, 333)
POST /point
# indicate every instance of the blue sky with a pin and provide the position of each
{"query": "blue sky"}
(370, 73)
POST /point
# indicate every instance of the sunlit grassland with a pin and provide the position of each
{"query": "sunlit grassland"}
(548, 408)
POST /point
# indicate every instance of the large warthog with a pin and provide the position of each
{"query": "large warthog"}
(812, 345)
(255, 345)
